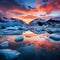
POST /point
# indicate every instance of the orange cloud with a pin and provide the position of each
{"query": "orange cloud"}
(30, 14)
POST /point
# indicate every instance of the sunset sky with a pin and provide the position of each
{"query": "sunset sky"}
(28, 10)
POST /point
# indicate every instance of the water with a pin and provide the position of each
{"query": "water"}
(30, 43)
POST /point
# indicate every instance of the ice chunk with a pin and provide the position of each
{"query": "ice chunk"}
(19, 38)
(55, 37)
(9, 54)
(12, 28)
(4, 44)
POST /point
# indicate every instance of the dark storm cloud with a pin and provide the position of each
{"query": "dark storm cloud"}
(6, 4)
(24, 4)
(9, 4)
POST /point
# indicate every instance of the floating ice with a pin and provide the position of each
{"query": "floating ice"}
(55, 37)
(23, 28)
(9, 54)
(4, 44)
(52, 30)
(37, 29)
(19, 38)
(12, 28)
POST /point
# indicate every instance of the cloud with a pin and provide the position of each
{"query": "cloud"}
(29, 8)
(55, 13)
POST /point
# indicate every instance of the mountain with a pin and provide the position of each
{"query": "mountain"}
(4, 21)
(39, 22)
(12, 26)
(56, 19)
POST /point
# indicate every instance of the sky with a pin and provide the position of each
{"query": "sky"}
(30, 9)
